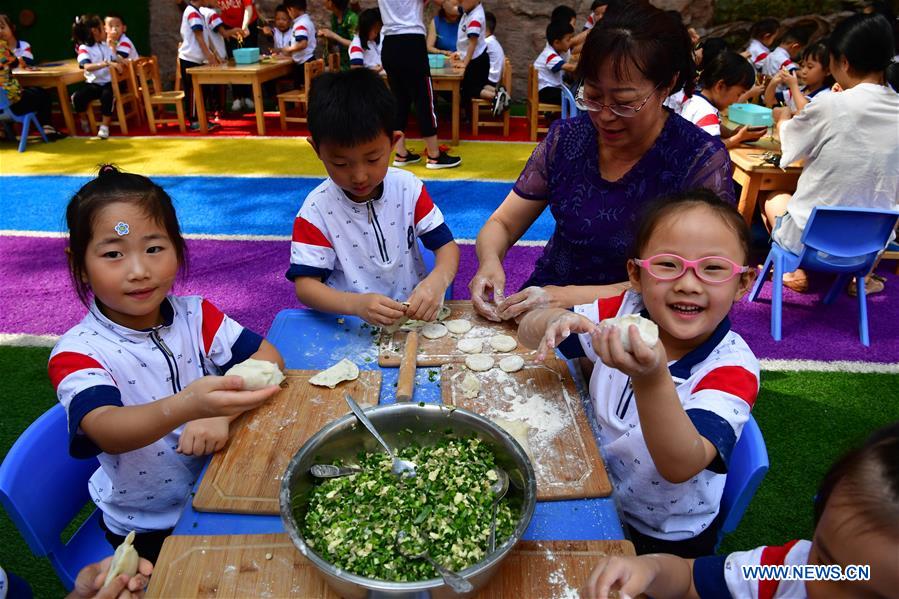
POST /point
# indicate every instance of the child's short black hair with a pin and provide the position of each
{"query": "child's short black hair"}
(340, 5)
(557, 30)
(115, 15)
(562, 13)
(281, 8)
(731, 68)
(81, 29)
(350, 108)
(112, 186)
(597, 3)
(820, 53)
(491, 21)
(368, 19)
(866, 41)
(764, 27)
(297, 4)
(795, 35)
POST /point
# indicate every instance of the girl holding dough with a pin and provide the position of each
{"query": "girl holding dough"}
(134, 374)
(671, 406)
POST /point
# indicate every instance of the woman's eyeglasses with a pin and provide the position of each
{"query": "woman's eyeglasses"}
(623, 110)
(711, 269)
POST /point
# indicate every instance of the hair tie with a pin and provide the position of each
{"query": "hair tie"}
(108, 169)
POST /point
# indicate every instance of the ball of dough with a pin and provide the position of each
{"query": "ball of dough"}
(434, 331)
(503, 343)
(458, 327)
(511, 363)
(649, 331)
(471, 386)
(470, 346)
(479, 362)
(257, 374)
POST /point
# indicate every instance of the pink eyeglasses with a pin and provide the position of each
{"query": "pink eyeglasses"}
(711, 269)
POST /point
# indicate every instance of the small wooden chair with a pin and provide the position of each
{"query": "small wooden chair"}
(311, 70)
(478, 103)
(151, 88)
(535, 107)
(334, 61)
(126, 103)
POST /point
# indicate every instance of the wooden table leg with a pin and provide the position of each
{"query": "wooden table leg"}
(456, 108)
(65, 105)
(201, 105)
(749, 196)
(257, 100)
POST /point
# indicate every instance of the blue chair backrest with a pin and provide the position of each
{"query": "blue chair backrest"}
(42, 487)
(569, 108)
(846, 239)
(5, 113)
(748, 466)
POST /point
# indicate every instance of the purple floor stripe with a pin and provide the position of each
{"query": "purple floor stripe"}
(246, 280)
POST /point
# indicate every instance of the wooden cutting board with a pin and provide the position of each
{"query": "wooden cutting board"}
(434, 352)
(245, 476)
(270, 566)
(562, 447)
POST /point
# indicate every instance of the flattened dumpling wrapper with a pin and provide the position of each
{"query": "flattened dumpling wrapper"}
(336, 374)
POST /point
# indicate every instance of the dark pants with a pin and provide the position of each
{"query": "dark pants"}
(187, 85)
(405, 58)
(251, 41)
(698, 546)
(476, 76)
(34, 99)
(93, 91)
(147, 544)
(550, 95)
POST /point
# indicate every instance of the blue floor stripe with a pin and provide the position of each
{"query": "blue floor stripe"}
(244, 205)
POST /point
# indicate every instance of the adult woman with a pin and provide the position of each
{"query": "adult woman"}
(596, 171)
(443, 29)
(240, 14)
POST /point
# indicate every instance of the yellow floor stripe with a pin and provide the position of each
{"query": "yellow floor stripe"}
(278, 156)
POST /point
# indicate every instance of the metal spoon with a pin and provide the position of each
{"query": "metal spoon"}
(456, 582)
(403, 468)
(332, 471)
(498, 488)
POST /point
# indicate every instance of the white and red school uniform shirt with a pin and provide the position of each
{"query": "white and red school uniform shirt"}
(125, 48)
(402, 17)
(776, 60)
(675, 101)
(23, 51)
(786, 96)
(549, 67)
(368, 57)
(471, 31)
(590, 22)
(367, 247)
(212, 33)
(497, 59)
(717, 384)
(758, 52)
(304, 29)
(701, 112)
(192, 20)
(282, 39)
(95, 54)
(722, 576)
(100, 363)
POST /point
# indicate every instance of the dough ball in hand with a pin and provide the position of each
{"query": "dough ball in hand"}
(257, 374)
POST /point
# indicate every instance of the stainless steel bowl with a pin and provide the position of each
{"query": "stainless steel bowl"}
(345, 437)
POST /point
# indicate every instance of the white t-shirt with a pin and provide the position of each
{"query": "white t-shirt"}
(850, 144)
(211, 33)
(282, 39)
(717, 383)
(369, 57)
(471, 25)
(100, 363)
(722, 576)
(590, 22)
(95, 54)
(776, 60)
(125, 48)
(402, 17)
(757, 53)
(367, 247)
(701, 112)
(549, 67)
(787, 96)
(497, 59)
(304, 29)
(192, 20)
(23, 51)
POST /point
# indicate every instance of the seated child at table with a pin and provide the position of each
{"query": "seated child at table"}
(355, 239)
(116, 38)
(302, 48)
(27, 99)
(813, 73)
(471, 49)
(282, 32)
(95, 57)
(552, 61)
(493, 90)
(761, 36)
(787, 52)
(856, 523)
(365, 51)
(669, 415)
(136, 375)
(344, 25)
(19, 48)
(727, 77)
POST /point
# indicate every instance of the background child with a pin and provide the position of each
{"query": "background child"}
(856, 522)
(365, 51)
(669, 416)
(727, 77)
(471, 49)
(95, 57)
(355, 248)
(302, 49)
(19, 48)
(552, 61)
(27, 99)
(813, 74)
(788, 50)
(133, 375)
(281, 34)
(761, 37)
(116, 38)
(493, 90)
(344, 24)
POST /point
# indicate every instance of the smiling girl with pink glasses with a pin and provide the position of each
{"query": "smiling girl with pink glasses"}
(669, 415)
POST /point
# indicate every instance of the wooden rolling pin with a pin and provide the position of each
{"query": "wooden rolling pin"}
(405, 386)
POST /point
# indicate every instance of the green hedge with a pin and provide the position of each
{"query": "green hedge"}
(727, 11)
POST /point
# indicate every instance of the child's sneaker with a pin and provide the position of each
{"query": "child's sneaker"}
(409, 158)
(501, 101)
(103, 132)
(443, 160)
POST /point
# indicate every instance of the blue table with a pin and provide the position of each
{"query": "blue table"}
(312, 340)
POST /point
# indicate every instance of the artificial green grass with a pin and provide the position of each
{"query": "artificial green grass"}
(808, 420)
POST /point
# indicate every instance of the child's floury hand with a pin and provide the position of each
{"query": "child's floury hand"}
(559, 329)
(223, 396)
(640, 361)
(202, 437)
(425, 301)
(620, 577)
(378, 309)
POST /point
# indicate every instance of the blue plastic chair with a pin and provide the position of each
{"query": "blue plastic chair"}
(429, 259)
(8, 117)
(43, 488)
(748, 466)
(845, 241)
(569, 108)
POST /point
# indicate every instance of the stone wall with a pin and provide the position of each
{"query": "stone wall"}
(520, 27)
